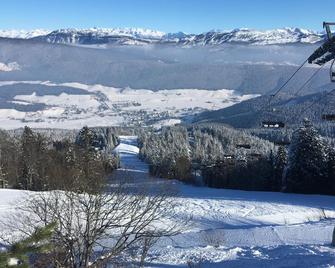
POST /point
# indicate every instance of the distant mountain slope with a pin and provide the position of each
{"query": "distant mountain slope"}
(247, 36)
(291, 110)
(138, 36)
(127, 36)
(23, 34)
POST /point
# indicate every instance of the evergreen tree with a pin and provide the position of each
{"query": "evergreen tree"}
(89, 161)
(331, 170)
(32, 166)
(306, 170)
(27, 168)
(88, 139)
(37, 243)
(279, 165)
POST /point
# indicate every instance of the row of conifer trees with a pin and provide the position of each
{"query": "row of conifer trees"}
(229, 158)
(35, 162)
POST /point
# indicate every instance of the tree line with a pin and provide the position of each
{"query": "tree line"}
(33, 161)
(237, 159)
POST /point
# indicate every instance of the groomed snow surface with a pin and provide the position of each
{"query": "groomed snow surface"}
(231, 228)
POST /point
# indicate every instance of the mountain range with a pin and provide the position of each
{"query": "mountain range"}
(139, 36)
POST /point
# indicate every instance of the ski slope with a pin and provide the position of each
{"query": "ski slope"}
(233, 228)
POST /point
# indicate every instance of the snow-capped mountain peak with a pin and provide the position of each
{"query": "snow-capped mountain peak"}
(136, 36)
(130, 32)
(23, 34)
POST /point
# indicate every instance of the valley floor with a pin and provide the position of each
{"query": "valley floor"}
(231, 228)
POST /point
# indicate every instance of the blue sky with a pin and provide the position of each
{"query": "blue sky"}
(166, 15)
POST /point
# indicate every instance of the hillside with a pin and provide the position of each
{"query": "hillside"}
(287, 108)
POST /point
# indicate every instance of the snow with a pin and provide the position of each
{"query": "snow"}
(63, 100)
(231, 228)
(137, 35)
(166, 122)
(104, 106)
(252, 229)
(9, 67)
(23, 34)
(250, 36)
(130, 32)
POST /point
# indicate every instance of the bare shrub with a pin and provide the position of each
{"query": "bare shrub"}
(211, 238)
(98, 227)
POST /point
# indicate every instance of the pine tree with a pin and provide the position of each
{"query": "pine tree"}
(88, 139)
(37, 243)
(331, 170)
(306, 170)
(32, 161)
(279, 165)
(27, 165)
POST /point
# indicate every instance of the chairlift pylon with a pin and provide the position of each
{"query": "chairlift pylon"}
(332, 71)
(326, 52)
(326, 25)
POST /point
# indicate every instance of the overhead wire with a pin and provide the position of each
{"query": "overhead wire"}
(328, 93)
(271, 96)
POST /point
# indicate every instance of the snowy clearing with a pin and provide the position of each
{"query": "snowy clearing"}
(231, 228)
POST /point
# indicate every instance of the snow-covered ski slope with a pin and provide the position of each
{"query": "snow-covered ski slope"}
(231, 228)
(242, 229)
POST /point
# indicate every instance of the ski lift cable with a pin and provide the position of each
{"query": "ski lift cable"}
(296, 94)
(316, 101)
(312, 76)
(271, 96)
(268, 104)
(289, 79)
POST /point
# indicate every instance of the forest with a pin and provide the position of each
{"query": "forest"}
(33, 161)
(299, 161)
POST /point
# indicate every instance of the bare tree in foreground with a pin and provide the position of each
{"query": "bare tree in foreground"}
(97, 228)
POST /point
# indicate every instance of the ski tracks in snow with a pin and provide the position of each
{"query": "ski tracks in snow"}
(255, 226)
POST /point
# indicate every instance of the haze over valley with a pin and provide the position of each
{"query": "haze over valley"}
(234, 66)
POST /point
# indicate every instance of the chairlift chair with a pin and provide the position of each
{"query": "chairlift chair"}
(228, 156)
(326, 52)
(282, 143)
(328, 117)
(273, 124)
(244, 146)
(271, 120)
(255, 155)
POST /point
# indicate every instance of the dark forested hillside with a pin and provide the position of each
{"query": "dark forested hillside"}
(287, 108)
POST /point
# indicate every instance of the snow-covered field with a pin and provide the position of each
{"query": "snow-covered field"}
(231, 228)
(99, 105)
